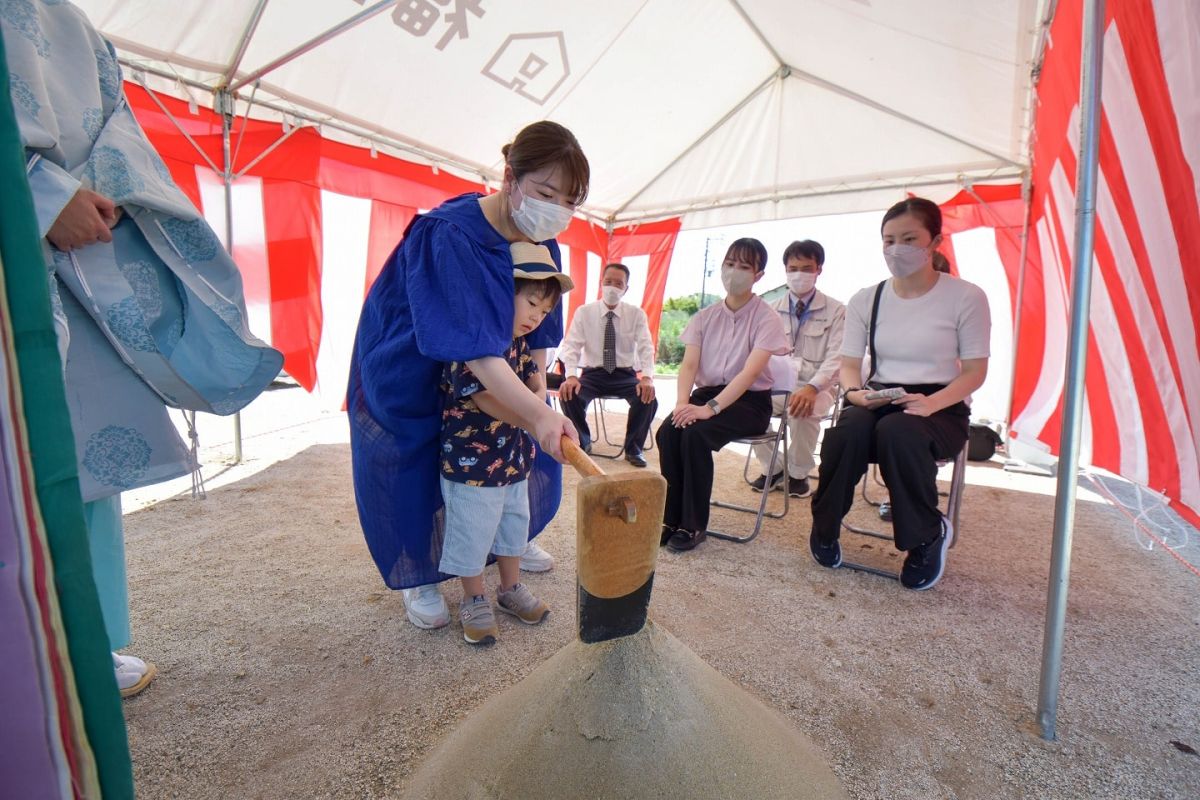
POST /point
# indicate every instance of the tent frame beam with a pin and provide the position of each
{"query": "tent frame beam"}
(319, 122)
(758, 32)
(315, 42)
(830, 86)
(962, 179)
(244, 42)
(778, 75)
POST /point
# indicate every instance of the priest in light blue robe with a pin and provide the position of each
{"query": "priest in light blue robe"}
(149, 307)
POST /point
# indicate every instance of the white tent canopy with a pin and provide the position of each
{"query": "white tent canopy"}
(721, 111)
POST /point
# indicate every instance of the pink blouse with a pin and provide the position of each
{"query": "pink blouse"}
(726, 339)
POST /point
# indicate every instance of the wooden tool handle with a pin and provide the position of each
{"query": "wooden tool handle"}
(579, 459)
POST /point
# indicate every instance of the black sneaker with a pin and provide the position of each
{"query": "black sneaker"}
(685, 540)
(760, 483)
(924, 565)
(827, 555)
(667, 533)
(798, 487)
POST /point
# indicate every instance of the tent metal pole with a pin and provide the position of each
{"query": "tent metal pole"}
(1081, 289)
(270, 149)
(180, 128)
(226, 109)
(244, 42)
(237, 147)
(315, 42)
(1027, 195)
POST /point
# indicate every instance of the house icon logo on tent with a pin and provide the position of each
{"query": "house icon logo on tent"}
(533, 65)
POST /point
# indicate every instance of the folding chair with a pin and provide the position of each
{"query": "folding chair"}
(598, 423)
(778, 439)
(953, 505)
(884, 506)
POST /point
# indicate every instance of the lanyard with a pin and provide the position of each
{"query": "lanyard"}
(795, 324)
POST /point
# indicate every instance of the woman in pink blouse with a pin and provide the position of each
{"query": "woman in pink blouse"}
(728, 345)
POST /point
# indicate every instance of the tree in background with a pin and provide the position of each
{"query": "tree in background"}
(675, 316)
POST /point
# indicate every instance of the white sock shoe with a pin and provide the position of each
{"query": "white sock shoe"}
(535, 559)
(133, 674)
(426, 607)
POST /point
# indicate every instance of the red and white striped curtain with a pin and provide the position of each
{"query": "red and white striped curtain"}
(1143, 370)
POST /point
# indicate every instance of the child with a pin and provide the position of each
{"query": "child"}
(485, 462)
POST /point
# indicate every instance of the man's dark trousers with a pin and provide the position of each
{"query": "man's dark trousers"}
(622, 382)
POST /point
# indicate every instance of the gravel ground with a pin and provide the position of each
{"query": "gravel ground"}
(288, 670)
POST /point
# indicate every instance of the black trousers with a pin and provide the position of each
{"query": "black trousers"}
(597, 382)
(907, 449)
(685, 455)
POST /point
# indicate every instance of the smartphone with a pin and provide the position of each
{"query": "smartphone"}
(886, 394)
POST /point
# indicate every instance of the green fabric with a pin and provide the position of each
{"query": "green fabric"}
(54, 464)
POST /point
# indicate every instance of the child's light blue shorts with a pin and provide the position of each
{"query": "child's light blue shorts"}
(483, 519)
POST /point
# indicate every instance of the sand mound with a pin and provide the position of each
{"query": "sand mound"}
(641, 716)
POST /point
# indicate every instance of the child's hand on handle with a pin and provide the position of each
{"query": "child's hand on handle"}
(550, 430)
(578, 459)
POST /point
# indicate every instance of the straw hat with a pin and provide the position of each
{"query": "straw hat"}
(533, 261)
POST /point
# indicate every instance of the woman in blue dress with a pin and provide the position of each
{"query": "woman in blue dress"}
(446, 295)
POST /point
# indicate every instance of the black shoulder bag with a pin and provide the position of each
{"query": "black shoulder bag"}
(871, 331)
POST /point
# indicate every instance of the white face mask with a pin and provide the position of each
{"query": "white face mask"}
(904, 259)
(801, 283)
(538, 219)
(611, 294)
(736, 281)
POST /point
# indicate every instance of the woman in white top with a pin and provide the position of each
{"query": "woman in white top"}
(727, 346)
(931, 340)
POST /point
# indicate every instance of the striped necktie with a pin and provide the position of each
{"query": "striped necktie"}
(610, 343)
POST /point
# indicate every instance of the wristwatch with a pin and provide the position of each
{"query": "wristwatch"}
(714, 405)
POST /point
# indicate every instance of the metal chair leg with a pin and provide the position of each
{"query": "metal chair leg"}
(600, 424)
(958, 479)
(778, 440)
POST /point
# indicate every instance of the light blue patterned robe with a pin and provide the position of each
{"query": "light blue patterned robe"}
(157, 317)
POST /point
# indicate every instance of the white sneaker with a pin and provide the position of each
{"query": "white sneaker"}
(535, 559)
(133, 674)
(426, 607)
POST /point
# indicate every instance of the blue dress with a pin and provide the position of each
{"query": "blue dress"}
(446, 294)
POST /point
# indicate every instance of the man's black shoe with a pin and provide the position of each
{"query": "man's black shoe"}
(685, 540)
(760, 483)
(827, 555)
(798, 487)
(667, 533)
(885, 512)
(924, 565)
(586, 447)
(637, 459)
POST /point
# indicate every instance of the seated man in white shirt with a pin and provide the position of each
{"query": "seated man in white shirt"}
(610, 340)
(815, 324)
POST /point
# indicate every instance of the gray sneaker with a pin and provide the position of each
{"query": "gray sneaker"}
(521, 603)
(478, 621)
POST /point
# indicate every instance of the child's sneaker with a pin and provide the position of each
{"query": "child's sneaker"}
(478, 621)
(521, 603)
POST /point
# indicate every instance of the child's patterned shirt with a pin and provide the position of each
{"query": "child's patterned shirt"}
(477, 449)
